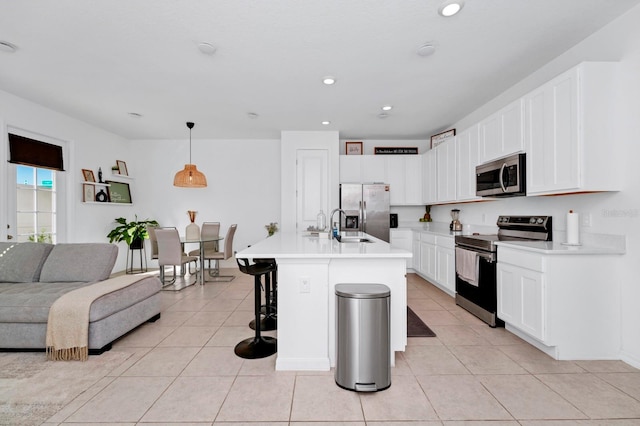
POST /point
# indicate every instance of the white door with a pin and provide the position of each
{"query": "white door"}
(312, 192)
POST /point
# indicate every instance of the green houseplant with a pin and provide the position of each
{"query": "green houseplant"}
(133, 233)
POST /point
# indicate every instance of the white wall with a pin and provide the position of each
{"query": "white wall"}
(612, 213)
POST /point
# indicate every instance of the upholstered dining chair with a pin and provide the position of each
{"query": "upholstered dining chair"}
(209, 230)
(153, 241)
(224, 255)
(170, 253)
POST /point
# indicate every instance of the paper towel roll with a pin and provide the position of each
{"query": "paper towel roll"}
(573, 228)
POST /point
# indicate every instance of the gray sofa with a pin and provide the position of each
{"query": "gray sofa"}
(34, 275)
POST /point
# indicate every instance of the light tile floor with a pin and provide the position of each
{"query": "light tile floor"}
(182, 370)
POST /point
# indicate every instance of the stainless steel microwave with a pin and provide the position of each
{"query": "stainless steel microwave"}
(505, 177)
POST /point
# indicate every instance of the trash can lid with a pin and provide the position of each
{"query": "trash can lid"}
(362, 291)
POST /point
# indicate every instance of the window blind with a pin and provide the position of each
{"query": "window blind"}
(30, 152)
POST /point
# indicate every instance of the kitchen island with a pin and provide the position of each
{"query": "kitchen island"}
(309, 267)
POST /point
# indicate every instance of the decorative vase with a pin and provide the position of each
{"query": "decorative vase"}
(193, 230)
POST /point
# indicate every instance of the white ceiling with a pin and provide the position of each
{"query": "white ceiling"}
(99, 60)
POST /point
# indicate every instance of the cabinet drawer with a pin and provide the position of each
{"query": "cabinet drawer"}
(520, 258)
(445, 242)
(427, 238)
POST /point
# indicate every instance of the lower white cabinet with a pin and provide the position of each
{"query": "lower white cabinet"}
(403, 239)
(446, 268)
(564, 303)
(437, 260)
(427, 259)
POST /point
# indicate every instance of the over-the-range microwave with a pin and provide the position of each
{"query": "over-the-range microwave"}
(505, 177)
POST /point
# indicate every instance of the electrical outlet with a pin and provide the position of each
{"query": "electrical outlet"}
(586, 220)
(305, 285)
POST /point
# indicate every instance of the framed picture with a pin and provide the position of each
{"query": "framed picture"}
(88, 192)
(122, 167)
(119, 192)
(353, 148)
(88, 175)
(395, 150)
(442, 137)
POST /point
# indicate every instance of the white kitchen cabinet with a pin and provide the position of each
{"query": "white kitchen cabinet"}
(402, 239)
(567, 122)
(446, 171)
(351, 168)
(563, 302)
(428, 257)
(416, 251)
(445, 264)
(413, 180)
(374, 169)
(502, 133)
(467, 158)
(404, 174)
(429, 178)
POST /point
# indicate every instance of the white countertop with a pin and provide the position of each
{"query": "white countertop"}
(554, 247)
(294, 245)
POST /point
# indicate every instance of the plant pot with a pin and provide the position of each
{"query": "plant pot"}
(136, 244)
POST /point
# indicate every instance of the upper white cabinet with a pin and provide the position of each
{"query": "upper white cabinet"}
(569, 132)
(446, 171)
(429, 178)
(502, 133)
(467, 157)
(402, 172)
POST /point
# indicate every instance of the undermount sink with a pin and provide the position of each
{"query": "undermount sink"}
(352, 239)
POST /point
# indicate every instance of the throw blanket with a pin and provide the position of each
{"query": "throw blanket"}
(68, 323)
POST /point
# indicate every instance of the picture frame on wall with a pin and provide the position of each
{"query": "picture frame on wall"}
(119, 192)
(88, 192)
(88, 175)
(442, 137)
(353, 148)
(122, 168)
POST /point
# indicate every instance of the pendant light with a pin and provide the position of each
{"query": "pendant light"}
(190, 177)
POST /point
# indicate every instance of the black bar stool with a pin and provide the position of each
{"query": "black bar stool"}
(269, 309)
(258, 346)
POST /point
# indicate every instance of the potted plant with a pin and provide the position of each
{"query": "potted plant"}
(133, 233)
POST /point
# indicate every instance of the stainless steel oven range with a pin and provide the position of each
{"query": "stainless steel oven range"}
(476, 257)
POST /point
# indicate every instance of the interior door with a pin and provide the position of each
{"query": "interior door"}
(312, 192)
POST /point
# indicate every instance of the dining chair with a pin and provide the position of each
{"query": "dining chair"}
(170, 253)
(153, 241)
(224, 255)
(209, 230)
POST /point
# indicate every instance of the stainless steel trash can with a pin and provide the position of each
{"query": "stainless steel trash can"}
(363, 348)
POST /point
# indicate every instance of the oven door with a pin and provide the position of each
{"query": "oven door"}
(481, 300)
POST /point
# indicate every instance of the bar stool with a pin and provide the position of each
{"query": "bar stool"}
(258, 346)
(269, 322)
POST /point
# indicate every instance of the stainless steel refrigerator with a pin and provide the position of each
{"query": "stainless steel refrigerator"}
(366, 207)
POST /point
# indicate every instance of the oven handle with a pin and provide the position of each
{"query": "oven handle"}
(491, 257)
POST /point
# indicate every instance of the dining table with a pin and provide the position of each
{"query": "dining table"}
(200, 241)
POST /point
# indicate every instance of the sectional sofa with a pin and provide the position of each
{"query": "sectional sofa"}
(34, 275)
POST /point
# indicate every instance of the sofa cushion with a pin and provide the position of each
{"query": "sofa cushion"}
(30, 302)
(87, 262)
(22, 262)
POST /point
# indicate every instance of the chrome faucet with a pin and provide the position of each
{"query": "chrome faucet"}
(331, 218)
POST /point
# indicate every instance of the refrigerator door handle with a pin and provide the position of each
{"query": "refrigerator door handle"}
(364, 216)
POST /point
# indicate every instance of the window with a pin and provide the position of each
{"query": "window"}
(35, 204)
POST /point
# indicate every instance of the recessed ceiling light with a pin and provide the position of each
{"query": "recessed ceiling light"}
(5, 46)
(326, 123)
(426, 50)
(207, 48)
(135, 114)
(329, 80)
(450, 8)
(387, 108)
(252, 115)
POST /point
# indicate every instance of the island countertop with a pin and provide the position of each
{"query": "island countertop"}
(298, 245)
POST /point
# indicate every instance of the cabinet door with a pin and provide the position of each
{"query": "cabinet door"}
(428, 260)
(445, 268)
(446, 171)
(521, 299)
(551, 136)
(413, 180)
(415, 262)
(396, 178)
(374, 169)
(467, 158)
(351, 168)
(502, 133)
(429, 176)
(402, 239)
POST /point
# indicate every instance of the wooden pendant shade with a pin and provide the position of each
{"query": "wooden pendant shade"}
(190, 176)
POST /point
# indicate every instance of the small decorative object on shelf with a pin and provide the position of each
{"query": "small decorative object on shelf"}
(353, 148)
(88, 175)
(427, 215)
(122, 168)
(102, 196)
(100, 175)
(395, 150)
(115, 169)
(88, 192)
(442, 137)
(193, 230)
(272, 228)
